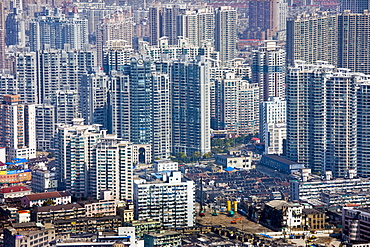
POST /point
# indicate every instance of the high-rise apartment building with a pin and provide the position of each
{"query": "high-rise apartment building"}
(17, 128)
(226, 32)
(112, 168)
(355, 6)
(26, 75)
(190, 106)
(170, 201)
(262, 19)
(56, 30)
(268, 70)
(312, 37)
(2, 35)
(339, 39)
(198, 26)
(45, 126)
(93, 98)
(237, 103)
(162, 115)
(322, 118)
(340, 123)
(115, 26)
(75, 144)
(363, 131)
(273, 125)
(353, 46)
(163, 21)
(116, 54)
(61, 69)
(66, 103)
(119, 107)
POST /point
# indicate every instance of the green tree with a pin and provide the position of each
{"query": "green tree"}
(48, 202)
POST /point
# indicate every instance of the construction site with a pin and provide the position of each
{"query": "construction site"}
(228, 217)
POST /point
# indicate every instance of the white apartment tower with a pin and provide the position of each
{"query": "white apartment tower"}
(170, 201)
(112, 164)
(273, 125)
(17, 128)
(268, 70)
(226, 32)
(75, 145)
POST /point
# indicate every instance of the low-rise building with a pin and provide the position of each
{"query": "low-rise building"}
(57, 197)
(313, 219)
(29, 234)
(170, 201)
(14, 192)
(15, 176)
(49, 214)
(278, 214)
(241, 162)
(343, 198)
(307, 186)
(356, 225)
(280, 164)
(144, 226)
(44, 181)
(165, 165)
(87, 225)
(162, 238)
(99, 208)
(15, 215)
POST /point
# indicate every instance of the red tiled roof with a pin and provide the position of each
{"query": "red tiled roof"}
(13, 189)
(46, 195)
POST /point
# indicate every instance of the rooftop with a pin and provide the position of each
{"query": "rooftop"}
(47, 195)
(57, 208)
(14, 189)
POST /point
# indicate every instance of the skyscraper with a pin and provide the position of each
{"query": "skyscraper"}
(322, 118)
(93, 98)
(75, 144)
(262, 19)
(312, 37)
(190, 106)
(141, 100)
(226, 33)
(17, 128)
(2, 35)
(268, 70)
(57, 30)
(273, 124)
(355, 6)
(112, 168)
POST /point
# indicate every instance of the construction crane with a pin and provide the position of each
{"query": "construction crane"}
(235, 220)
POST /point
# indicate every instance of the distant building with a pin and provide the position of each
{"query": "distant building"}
(44, 180)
